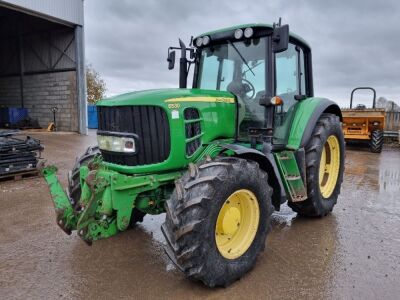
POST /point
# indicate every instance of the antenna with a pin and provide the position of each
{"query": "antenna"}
(277, 24)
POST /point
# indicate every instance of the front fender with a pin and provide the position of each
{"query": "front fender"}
(307, 113)
(267, 163)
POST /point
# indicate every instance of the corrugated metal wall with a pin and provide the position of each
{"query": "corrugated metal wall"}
(392, 121)
(46, 46)
(54, 50)
(70, 11)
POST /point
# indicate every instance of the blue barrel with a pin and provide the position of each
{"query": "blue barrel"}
(92, 117)
(12, 115)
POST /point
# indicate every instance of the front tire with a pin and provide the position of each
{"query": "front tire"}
(324, 168)
(217, 220)
(74, 184)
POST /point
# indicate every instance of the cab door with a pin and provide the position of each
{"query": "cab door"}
(290, 83)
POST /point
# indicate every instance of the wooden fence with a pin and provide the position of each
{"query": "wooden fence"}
(392, 121)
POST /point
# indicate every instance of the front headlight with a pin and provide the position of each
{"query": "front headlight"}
(116, 143)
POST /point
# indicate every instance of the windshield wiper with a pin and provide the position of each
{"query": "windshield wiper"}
(257, 64)
(241, 56)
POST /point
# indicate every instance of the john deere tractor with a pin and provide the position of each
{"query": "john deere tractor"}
(217, 158)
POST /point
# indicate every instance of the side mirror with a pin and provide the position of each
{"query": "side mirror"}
(280, 38)
(192, 54)
(171, 60)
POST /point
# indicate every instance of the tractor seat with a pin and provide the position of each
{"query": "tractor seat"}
(361, 107)
(237, 88)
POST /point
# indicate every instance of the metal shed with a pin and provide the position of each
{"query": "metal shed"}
(42, 63)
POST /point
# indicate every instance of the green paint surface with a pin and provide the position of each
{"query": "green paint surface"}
(303, 111)
(217, 122)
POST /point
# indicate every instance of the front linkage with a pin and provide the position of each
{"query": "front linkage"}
(107, 199)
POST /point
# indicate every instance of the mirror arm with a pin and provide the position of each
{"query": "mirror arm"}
(184, 63)
(183, 71)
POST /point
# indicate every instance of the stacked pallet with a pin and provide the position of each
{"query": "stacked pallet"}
(18, 156)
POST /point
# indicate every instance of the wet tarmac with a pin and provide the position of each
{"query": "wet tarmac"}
(354, 253)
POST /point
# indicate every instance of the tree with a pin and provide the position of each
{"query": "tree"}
(96, 86)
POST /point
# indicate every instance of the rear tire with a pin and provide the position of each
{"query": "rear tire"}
(376, 144)
(193, 213)
(322, 198)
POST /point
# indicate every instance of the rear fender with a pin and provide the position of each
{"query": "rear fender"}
(267, 164)
(307, 113)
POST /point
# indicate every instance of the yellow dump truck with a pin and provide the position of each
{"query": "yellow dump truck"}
(362, 124)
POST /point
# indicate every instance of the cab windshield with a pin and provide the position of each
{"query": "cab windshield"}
(239, 68)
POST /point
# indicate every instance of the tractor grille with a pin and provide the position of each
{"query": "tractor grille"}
(149, 123)
(192, 130)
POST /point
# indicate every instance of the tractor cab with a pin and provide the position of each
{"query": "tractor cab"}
(267, 70)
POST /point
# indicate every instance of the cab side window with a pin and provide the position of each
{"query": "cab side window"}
(289, 68)
(287, 75)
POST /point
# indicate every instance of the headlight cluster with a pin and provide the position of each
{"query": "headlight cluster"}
(248, 33)
(203, 41)
(238, 34)
(116, 143)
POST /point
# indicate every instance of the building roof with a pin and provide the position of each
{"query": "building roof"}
(69, 12)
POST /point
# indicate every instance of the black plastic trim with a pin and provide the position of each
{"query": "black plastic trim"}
(149, 123)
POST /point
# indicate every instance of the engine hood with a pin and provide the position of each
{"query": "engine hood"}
(160, 96)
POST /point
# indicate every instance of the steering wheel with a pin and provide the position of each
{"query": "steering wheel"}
(248, 88)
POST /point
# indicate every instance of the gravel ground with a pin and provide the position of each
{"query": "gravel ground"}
(352, 253)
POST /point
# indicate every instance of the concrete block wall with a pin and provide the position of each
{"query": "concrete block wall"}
(10, 95)
(44, 91)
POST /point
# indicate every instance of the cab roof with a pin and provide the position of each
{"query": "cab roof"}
(253, 25)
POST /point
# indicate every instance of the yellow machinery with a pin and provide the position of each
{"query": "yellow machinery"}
(364, 124)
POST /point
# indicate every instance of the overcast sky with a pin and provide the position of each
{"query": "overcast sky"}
(354, 43)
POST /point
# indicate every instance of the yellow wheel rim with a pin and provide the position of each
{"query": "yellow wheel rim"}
(237, 224)
(329, 166)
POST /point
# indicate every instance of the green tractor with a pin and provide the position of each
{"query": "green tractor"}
(217, 158)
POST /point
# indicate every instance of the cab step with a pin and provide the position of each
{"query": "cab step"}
(291, 176)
